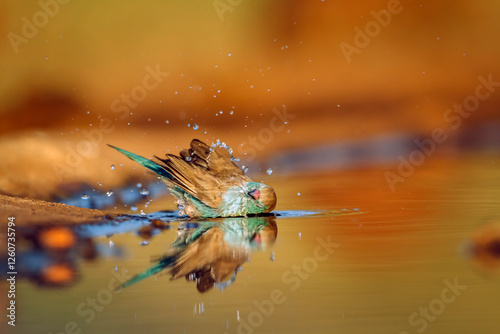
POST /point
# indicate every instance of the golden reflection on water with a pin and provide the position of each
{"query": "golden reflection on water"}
(391, 262)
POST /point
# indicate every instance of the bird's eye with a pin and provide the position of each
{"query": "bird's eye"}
(255, 194)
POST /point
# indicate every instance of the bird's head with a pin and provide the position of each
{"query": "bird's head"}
(262, 198)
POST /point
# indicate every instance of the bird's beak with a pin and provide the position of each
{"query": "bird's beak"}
(254, 193)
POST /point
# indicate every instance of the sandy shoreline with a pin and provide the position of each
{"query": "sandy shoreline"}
(30, 212)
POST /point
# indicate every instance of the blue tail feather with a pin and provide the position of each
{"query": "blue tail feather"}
(164, 263)
(144, 162)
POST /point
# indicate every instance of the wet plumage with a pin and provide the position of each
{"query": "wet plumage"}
(207, 183)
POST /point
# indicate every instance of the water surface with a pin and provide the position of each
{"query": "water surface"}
(347, 255)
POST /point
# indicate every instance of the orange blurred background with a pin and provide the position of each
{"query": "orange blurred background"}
(67, 69)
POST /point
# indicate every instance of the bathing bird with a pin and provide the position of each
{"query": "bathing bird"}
(212, 251)
(207, 183)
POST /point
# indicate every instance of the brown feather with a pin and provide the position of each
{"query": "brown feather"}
(203, 172)
(210, 250)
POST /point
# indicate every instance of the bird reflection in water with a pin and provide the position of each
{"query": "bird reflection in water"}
(210, 252)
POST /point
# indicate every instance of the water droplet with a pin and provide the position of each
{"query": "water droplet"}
(167, 122)
(85, 196)
(112, 166)
(195, 126)
(116, 268)
(188, 159)
(144, 192)
(244, 169)
(142, 212)
(269, 171)
(189, 125)
(133, 208)
(272, 256)
(231, 112)
(110, 193)
(229, 54)
(144, 243)
(111, 243)
(298, 194)
(300, 235)
(139, 185)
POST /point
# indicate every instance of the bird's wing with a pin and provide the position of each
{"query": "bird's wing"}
(182, 173)
(204, 173)
(198, 254)
(216, 160)
(201, 171)
(193, 179)
(210, 251)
